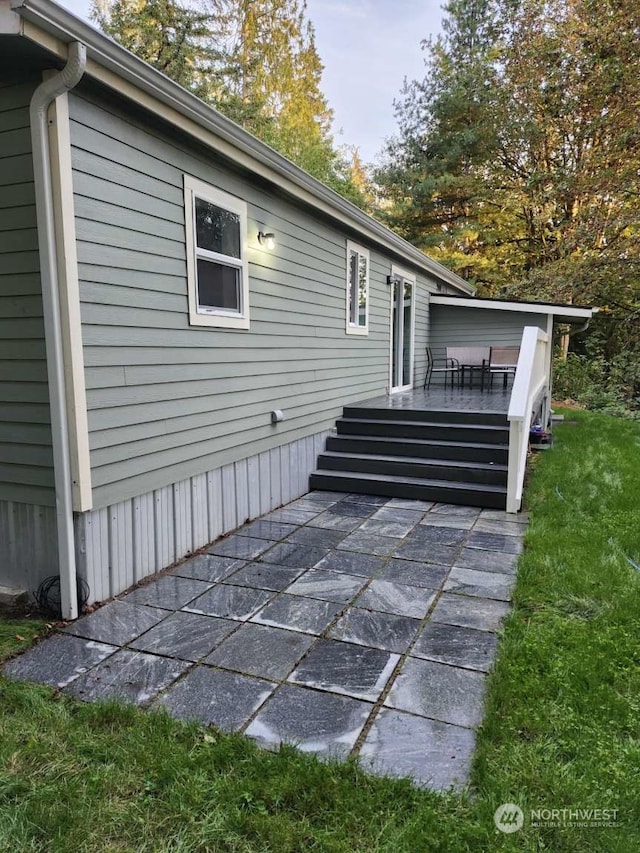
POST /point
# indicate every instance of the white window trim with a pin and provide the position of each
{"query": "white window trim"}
(351, 328)
(220, 319)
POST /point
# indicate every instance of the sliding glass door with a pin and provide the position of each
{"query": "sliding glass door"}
(402, 330)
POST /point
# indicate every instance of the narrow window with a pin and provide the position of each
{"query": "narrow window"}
(216, 226)
(357, 290)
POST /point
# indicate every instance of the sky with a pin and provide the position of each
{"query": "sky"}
(368, 48)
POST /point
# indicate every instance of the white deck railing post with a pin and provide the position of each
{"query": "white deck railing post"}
(530, 387)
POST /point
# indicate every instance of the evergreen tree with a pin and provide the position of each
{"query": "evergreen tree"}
(518, 156)
(254, 60)
(169, 36)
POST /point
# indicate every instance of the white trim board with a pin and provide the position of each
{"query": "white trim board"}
(71, 324)
(562, 313)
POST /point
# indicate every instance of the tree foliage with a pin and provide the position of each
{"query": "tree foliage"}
(254, 60)
(517, 160)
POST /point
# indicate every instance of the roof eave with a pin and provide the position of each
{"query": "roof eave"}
(561, 313)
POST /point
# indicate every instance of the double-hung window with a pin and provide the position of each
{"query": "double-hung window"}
(216, 226)
(357, 290)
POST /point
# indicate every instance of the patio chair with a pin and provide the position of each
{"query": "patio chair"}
(445, 365)
(503, 362)
(471, 359)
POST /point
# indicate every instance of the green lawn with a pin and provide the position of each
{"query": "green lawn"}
(562, 729)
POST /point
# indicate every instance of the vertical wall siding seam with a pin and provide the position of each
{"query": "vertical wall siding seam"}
(186, 515)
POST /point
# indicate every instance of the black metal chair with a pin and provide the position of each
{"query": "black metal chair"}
(449, 366)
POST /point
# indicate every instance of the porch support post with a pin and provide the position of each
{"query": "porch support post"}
(548, 368)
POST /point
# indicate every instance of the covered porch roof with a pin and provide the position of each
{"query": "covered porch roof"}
(561, 313)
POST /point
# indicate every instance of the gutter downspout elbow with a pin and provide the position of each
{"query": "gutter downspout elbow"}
(41, 100)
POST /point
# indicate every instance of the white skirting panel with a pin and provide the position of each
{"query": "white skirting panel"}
(119, 545)
(28, 545)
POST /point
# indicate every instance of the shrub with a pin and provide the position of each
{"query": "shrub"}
(596, 385)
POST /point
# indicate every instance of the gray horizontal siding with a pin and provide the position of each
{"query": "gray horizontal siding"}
(453, 326)
(26, 464)
(167, 400)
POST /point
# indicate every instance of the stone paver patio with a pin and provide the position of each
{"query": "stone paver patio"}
(344, 624)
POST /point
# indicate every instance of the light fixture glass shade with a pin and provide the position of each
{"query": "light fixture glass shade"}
(267, 240)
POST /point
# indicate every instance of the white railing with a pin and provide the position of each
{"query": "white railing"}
(529, 392)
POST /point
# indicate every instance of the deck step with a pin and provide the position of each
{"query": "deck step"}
(414, 467)
(447, 456)
(415, 447)
(398, 413)
(494, 497)
(481, 433)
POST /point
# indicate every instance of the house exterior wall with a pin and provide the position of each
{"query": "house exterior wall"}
(121, 544)
(28, 545)
(453, 326)
(166, 400)
(26, 460)
(27, 498)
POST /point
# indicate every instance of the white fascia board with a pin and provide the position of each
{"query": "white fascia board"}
(112, 64)
(562, 313)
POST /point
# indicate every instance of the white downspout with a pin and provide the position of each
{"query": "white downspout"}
(42, 98)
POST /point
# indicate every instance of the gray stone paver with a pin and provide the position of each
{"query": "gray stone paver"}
(397, 598)
(377, 630)
(507, 528)
(414, 573)
(207, 567)
(465, 647)
(186, 636)
(230, 602)
(439, 691)
(58, 661)
(322, 723)
(216, 696)
(333, 613)
(117, 623)
(487, 561)
(467, 612)
(169, 592)
(297, 613)
(262, 651)
(129, 676)
(328, 586)
(240, 547)
(353, 670)
(265, 576)
(434, 754)
(479, 584)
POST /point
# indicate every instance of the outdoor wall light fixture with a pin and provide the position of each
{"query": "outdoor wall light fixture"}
(392, 279)
(267, 240)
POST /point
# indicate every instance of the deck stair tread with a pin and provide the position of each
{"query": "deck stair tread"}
(490, 428)
(421, 442)
(417, 460)
(418, 481)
